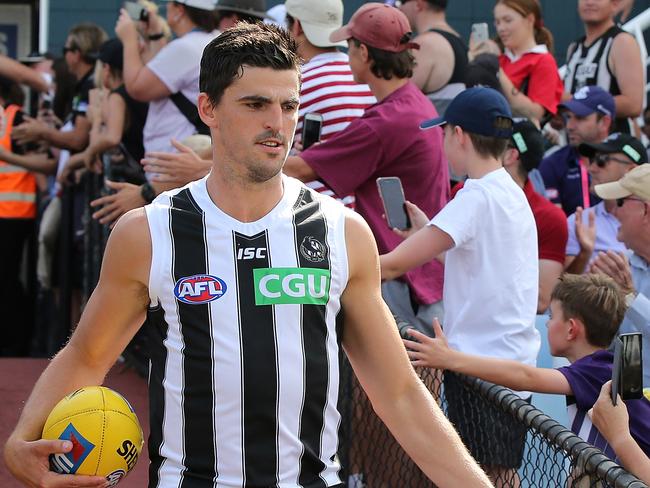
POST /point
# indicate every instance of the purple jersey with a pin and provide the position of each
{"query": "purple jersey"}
(586, 377)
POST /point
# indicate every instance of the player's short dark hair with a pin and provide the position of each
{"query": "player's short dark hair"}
(256, 45)
(438, 5)
(386, 64)
(596, 300)
(486, 146)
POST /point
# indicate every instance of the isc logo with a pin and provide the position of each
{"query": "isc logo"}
(199, 289)
(245, 253)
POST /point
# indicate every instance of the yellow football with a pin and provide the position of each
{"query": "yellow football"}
(104, 430)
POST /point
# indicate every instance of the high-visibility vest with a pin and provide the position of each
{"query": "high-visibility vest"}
(17, 185)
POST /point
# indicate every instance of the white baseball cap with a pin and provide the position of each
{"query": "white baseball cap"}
(200, 4)
(635, 182)
(318, 19)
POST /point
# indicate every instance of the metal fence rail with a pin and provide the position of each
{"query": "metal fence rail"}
(553, 456)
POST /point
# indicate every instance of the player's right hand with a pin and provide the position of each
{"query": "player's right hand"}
(28, 462)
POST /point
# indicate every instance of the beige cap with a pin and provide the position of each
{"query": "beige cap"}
(635, 182)
(318, 19)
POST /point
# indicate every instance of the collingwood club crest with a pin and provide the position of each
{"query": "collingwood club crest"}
(313, 250)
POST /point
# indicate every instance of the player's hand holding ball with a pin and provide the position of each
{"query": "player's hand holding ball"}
(103, 430)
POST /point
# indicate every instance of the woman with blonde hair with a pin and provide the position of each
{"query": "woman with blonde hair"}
(529, 77)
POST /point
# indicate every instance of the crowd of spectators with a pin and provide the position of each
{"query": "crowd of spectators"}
(514, 191)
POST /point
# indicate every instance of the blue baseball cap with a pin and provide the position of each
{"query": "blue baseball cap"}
(590, 99)
(479, 110)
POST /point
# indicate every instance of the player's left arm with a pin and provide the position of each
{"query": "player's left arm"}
(379, 359)
(625, 64)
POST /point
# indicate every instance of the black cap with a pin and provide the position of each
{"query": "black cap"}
(111, 53)
(529, 141)
(617, 143)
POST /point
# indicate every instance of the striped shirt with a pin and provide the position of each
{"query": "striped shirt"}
(328, 88)
(244, 372)
(589, 65)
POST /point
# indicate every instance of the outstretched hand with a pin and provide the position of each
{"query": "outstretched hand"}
(177, 168)
(611, 421)
(418, 220)
(127, 196)
(431, 352)
(586, 234)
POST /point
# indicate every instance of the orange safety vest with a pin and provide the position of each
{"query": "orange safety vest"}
(17, 185)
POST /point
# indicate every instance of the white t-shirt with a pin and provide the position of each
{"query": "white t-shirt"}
(491, 274)
(177, 65)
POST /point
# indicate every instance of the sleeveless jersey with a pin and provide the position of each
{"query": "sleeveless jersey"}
(587, 65)
(244, 372)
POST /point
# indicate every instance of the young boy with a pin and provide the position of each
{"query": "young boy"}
(586, 311)
(491, 264)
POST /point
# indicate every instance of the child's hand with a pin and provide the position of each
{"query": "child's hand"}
(428, 351)
(418, 220)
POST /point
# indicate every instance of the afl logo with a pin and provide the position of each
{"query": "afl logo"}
(199, 289)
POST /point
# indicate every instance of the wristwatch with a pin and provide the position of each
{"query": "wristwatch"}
(147, 192)
(156, 37)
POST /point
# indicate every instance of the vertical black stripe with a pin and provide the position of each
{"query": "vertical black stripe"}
(259, 367)
(309, 223)
(156, 328)
(190, 258)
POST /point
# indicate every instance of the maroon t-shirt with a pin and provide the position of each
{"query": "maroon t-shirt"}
(387, 141)
(552, 232)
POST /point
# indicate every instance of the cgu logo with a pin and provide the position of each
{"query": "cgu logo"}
(275, 286)
(199, 289)
(251, 253)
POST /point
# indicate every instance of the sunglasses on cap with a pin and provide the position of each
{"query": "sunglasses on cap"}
(67, 49)
(602, 159)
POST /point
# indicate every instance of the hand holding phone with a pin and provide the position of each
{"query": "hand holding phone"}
(136, 11)
(627, 370)
(312, 124)
(479, 33)
(392, 196)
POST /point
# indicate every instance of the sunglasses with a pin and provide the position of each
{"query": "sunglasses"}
(601, 160)
(621, 201)
(67, 49)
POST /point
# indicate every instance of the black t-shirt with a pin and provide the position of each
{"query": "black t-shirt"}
(81, 97)
(136, 115)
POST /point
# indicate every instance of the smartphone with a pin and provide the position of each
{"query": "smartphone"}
(479, 32)
(627, 370)
(136, 11)
(312, 124)
(392, 196)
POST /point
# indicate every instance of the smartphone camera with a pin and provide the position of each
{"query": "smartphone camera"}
(136, 11)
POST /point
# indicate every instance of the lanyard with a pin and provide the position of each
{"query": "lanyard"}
(584, 182)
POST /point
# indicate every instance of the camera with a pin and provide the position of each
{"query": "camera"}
(136, 11)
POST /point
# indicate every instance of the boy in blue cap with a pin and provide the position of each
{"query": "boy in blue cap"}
(489, 238)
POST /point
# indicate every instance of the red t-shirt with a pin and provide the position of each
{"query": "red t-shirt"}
(550, 220)
(544, 84)
(387, 141)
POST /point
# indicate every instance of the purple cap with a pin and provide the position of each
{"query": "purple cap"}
(590, 99)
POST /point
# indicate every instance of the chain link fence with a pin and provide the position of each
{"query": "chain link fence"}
(552, 455)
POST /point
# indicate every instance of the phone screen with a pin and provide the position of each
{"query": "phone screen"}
(392, 195)
(627, 370)
(480, 32)
(632, 371)
(311, 128)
